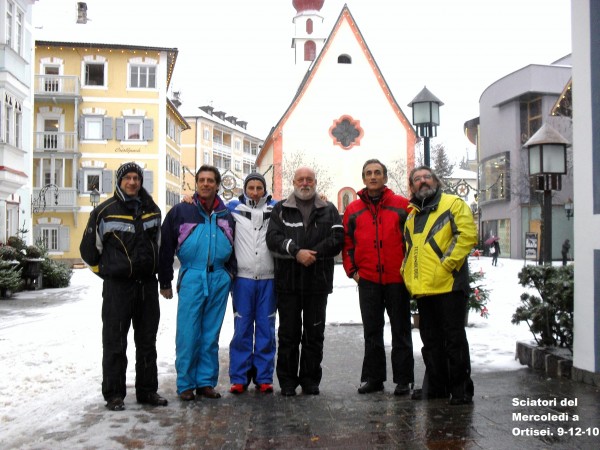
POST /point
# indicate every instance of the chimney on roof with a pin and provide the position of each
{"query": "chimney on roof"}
(207, 109)
(176, 98)
(231, 119)
(242, 123)
(82, 12)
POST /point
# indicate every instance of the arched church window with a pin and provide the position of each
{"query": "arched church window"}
(344, 59)
(310, 51)
(309, 26)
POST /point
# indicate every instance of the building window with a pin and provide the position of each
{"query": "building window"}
(51, 81)
(19, 31)
(18, 126)
(494, 178)
(222, 161)
(14, 27)
(530, 117)
(248, 168)
(49, 238)
(206, 134)
(92, 179)
(93, 128)
(135, 129)
(8, 118)
(238, 166)
(142, 76)
(10, 11)
(344, 59)
(94, 74)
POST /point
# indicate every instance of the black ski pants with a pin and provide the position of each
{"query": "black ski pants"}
(301, 335)
(375, 299)
(445, 347)
(127, 302)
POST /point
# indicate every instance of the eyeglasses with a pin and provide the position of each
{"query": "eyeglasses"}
(427, 176)
(134, 179)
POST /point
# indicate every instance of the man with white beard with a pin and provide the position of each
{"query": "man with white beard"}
(305, 234)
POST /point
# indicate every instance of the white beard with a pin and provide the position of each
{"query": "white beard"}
(304, 194)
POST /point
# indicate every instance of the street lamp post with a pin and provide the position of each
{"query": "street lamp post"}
(547, 163)
(426, 117)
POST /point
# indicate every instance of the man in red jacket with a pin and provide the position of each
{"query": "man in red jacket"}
(372, 256)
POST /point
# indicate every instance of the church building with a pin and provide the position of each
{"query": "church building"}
(343, 114)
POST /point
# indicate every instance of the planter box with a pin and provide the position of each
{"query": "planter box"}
(554, 362)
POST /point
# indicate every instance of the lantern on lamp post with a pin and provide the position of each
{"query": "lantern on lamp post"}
(94, 197)
(547, 164)
(426, 117)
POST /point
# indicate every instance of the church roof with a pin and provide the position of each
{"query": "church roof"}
(345, 15)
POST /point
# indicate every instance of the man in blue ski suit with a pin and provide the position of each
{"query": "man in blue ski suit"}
(252, 348)
(201, 235)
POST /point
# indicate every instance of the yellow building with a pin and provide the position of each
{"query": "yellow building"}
(97, 106)
(221, 140)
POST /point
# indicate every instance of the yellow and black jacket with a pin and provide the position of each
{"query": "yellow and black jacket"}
(122, 238)
(439, 235)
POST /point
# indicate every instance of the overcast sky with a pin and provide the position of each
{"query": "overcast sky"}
(237, 53)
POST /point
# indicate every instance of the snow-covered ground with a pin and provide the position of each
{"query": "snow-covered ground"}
(51, 349)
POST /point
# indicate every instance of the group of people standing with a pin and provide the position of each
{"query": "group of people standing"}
(278, 258)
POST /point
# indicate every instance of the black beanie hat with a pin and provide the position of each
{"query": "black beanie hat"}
(255, 176)
(129, 167)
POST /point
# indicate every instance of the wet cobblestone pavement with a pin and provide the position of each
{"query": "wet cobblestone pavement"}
(340, 418)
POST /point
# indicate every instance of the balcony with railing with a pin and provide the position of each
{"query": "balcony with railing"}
(55, 141)
(53, 198)
(221, 147)
(57, 87)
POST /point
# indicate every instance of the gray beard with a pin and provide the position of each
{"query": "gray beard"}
(425, 194)
(304, 195)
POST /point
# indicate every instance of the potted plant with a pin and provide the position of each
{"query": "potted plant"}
(32, 266)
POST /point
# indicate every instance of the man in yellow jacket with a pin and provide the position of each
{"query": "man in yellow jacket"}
(439, 234)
